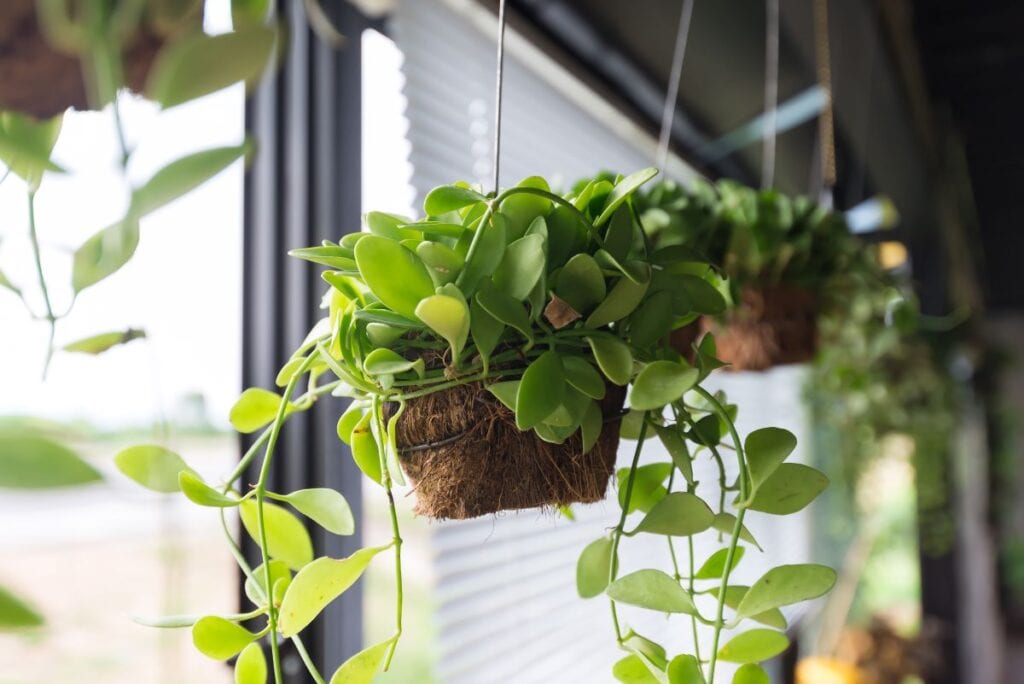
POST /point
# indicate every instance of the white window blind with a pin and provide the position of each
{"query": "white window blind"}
(507, 604)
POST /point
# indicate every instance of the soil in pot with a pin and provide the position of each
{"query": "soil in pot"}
(772, 326)
(465, 457)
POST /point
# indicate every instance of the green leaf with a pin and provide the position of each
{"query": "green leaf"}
(593, 567)
(248, 13)
(660, 383)
(443, 262)
(651, 589)
(218, 638)
(198, 64)
(766, 449)
(490, 249)
(580, 374)
(505, 392)
(751, 674)
(382, 334)
(540, 390)
(789, 489)
(507, 310)
(255, 408)
(319, 583)
(522, 208)
(449, 317)
(197, 491)
(395, 274)
(684, 669)
(522, 266)
(622, 190)
(391, 226)
(387, 362)
(651, 653)
(326, 507)
(104, 253)
(591, 426)
(619, 238)
(633, 670)
(624, 297)
(714, 566)
(652, 321)
(485, 329)
(678, 514)
(707, 431)
(347, 423)
(280, 578)
(32, 461)
(675, 445)
(365, 450)
(785, 585)
(7, 284)
(184, 175)
(734, 593)
(725, 522)
(694, 294)
(754, 646)
(446, 198)
(363, 666)
(251, 666)
(287, 538)
(613, 357)
(152, 466)
(647, 486)
(26, 145)
(16, 614)
(97, 344)
(581, 283)
(437, 229)
(332, 256)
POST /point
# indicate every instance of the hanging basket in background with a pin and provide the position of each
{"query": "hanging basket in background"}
(465, 457)
(770, 326)
(40, 80)
(682, 340)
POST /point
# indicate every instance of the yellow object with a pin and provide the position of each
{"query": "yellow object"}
(819, 670)
(892, 254)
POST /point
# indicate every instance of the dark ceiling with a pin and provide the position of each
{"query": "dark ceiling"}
(973, 58)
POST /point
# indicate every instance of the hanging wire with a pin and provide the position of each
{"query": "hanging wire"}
(499, 80)
(771, 93)
(826, 126)
(669, 111)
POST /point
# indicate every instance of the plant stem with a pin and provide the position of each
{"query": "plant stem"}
(253, 450)
(395, 531)
(719, 616)
(37, 254)
(617, 533)
(261, 493)
(741, 510)
(249, 574)
(693, 618)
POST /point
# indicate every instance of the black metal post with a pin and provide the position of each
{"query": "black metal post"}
(304, 186)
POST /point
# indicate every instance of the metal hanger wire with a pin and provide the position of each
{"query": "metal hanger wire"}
(499, 82)
(771, 93)
(669, 110)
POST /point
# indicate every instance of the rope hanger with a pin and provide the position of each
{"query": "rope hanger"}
(669, 109)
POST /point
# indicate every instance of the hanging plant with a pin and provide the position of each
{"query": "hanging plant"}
(777, 253)
(487, 349)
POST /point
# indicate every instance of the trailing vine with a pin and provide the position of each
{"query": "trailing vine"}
(544, 308)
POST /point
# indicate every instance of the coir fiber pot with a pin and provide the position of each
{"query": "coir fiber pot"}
(39, 80)
(771, 326)
(465, 457)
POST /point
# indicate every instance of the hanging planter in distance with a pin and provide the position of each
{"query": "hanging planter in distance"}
(771, 326)
(43, 72)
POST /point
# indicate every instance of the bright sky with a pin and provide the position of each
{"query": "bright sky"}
(184, 284)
